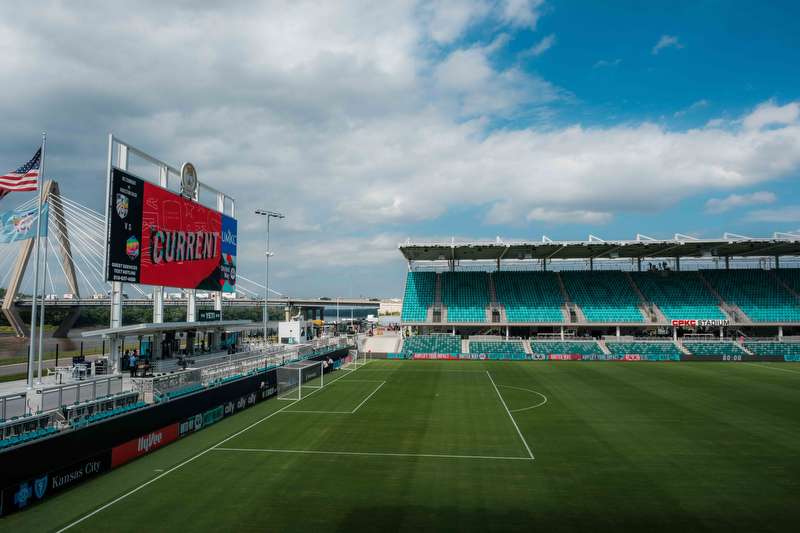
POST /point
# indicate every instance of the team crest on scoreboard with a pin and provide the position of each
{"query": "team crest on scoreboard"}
(188, 181)
(122, 205)
(132, 248)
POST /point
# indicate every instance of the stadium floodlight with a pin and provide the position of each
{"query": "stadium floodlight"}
(268, 214)
(297, 380)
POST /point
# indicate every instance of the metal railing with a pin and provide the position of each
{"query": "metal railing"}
(12, 405)
(55, 397)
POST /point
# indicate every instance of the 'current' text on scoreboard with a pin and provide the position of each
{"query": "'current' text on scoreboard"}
(156, 237)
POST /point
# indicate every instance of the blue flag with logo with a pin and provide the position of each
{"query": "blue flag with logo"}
(21, 225)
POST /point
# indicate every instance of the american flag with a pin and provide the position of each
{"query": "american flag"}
(25, 178)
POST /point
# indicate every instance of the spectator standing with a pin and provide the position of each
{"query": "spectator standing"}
(133, 362)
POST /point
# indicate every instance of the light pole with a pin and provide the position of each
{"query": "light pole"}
(361, 286)
(268, 214)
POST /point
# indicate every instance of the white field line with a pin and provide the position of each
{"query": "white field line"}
(368, 397)
(773, 368)
(143, 485)
(323, 412)
(510, 415)
(528, 390)
(374, 454)
(382, 383)
(440, 372)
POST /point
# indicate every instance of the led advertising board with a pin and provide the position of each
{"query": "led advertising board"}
(156, 237)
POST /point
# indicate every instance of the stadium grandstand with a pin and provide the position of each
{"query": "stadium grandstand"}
(659, 298)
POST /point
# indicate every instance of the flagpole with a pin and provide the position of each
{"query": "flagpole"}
(32, 355)
(41, 316)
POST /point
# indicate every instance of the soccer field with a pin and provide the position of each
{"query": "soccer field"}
(474, 446)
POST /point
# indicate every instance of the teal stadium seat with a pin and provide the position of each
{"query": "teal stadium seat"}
(432, 344)
(757, 293)
(604, 295)
(644, 348)
(713, 348)
(529, 296)
(466, 295)
(566, 347)
(774, 348)
(791, 277)
(499, 349)
(680, 295)
(419, 295)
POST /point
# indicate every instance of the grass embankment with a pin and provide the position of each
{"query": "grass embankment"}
(16, 377)
(65, 356)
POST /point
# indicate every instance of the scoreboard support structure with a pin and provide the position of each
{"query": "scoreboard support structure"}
(117, 288)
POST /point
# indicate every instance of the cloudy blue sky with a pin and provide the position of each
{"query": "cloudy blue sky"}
(368, 123)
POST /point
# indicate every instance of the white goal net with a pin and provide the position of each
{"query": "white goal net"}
(355, 359)
(298, 380)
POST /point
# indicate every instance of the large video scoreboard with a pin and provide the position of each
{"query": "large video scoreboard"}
(156, 237)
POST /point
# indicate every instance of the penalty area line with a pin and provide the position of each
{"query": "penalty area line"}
(368, 397)
(510, 415)
(773, 368)
(143, 485)
(375, 454)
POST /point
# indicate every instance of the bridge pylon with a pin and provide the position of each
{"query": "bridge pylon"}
(51, 193)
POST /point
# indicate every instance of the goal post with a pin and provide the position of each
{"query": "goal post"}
(298, 380)
(355, 359)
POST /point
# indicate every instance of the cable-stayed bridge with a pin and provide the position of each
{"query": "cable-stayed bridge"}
(73, 269)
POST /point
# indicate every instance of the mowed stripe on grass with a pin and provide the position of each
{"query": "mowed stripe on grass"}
(618, 446)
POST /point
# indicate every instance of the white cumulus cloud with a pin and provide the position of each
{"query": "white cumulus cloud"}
(788, 213)
(768, 113)
(716, 206)
(667, 41)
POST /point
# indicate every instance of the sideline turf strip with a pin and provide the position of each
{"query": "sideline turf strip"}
(618, 447)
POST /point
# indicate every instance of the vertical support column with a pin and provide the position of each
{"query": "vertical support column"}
(116, 286)
(721, 332)
(158, 292)
(544, 264)
(562, 333)
(158, 305)
(498, 264)
(674, 333)
(218, 295)
(777, 262)
(780, 328)
(677, 264)
(639, 263)
(617, 331)
(591, 263)
(322, 314)
(191, 305)
(727, 262)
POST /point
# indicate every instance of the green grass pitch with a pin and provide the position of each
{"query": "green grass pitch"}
(474, 446)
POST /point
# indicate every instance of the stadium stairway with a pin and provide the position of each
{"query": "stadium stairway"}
(604, 347)
(683, 348)
(731, 311)
(527, 346)
(464, 346)
(645, 304)
(741, 345)
(783, 283)
(437, 300)
(569, 304)
(492, 298)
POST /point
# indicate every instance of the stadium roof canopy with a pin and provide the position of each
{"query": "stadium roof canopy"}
(730, 245)
(149, 329)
